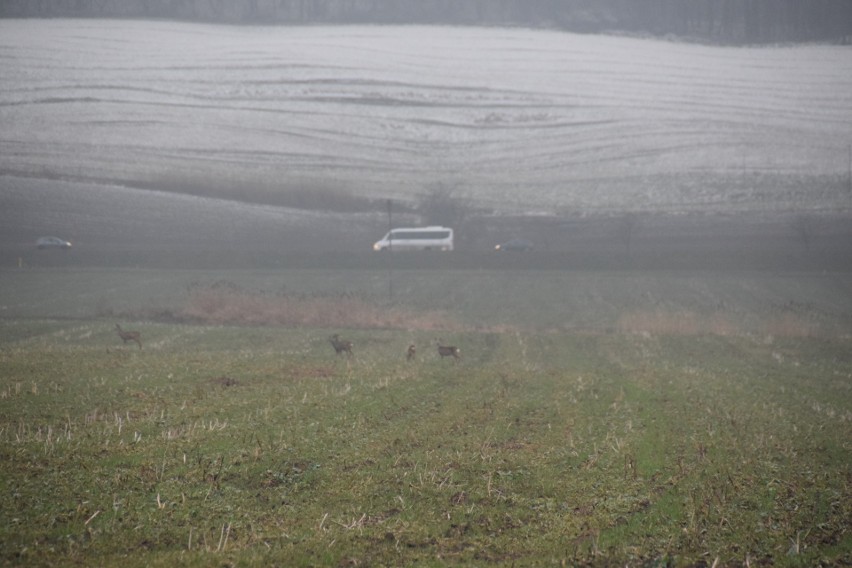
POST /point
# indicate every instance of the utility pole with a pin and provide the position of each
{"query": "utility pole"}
(390, 250)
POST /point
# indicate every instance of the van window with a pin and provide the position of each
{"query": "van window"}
(415, 235)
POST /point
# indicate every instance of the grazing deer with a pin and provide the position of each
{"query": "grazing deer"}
(129, 335)
(412, 351)
(448, 351)
(340, 346)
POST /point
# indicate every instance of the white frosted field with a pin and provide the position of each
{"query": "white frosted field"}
(516, 119)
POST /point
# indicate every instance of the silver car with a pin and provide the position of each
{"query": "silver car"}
(52, 243)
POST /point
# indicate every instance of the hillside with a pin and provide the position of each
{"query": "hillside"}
(516, 119)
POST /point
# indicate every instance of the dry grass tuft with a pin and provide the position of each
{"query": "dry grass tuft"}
(219, 305)
(692, 323)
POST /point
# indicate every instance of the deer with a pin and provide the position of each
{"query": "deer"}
(340, 345)
(412, 351)
(129, 335)
(448, 351)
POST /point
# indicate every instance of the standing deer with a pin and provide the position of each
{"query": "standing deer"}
(448, 351)
(129, 335)
(412, 351)
(340, 346)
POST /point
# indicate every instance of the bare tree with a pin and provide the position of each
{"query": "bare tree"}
(441, 205)
(741, 21)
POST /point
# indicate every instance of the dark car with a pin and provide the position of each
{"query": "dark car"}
(519, 245)
(52, 243)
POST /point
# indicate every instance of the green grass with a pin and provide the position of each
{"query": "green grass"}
(257, 446)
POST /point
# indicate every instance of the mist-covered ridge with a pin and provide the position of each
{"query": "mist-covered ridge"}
(517, 120)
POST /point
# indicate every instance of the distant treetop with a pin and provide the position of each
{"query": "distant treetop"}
(723, 21)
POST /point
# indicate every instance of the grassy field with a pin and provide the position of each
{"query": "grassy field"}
(592, 442)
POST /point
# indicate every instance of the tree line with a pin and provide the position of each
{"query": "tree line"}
(724, 21)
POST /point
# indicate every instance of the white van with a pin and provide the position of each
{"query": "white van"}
(417, 238)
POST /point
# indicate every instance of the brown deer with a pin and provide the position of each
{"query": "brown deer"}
(448, 351)
(412, 351)
(129, 335)
(340, 345)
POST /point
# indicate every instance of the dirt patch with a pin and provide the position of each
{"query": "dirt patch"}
(313, 373)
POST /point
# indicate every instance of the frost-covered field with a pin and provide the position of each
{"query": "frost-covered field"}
(521, 120)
